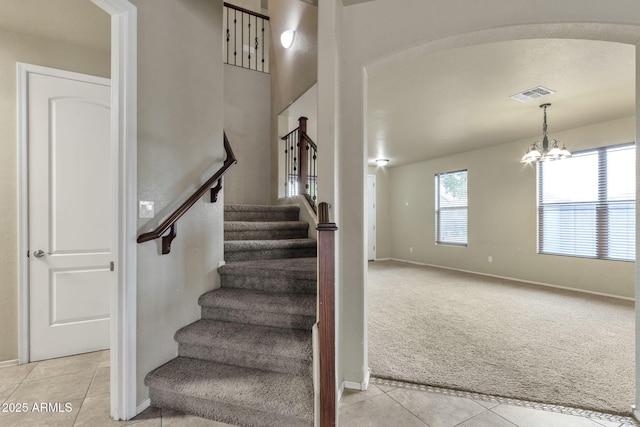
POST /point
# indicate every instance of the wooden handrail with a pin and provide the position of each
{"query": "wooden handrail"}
(326, 318)
(170, 222)
(310, 141)
(242, 9)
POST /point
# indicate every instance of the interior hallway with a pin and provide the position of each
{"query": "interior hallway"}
(82, 382)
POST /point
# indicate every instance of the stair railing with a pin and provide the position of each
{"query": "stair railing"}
(326, 316)
(300, 164)
(246, 38)
(170, 222)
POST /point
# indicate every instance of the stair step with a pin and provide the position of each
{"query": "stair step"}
(250, 346)
(280, 310)
(261, 213)
(232, 394)
(244, 250)
(253, 230)
(295, 275)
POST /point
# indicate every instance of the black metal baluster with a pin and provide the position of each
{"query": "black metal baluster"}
(235, 37)
(286, 165)
(263, 45)
(248, 41)
(256, 44)
(228, 35)
(296, 163)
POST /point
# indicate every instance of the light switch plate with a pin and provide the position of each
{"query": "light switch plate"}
(145, 209)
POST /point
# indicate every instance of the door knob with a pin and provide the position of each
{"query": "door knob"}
(39, 253)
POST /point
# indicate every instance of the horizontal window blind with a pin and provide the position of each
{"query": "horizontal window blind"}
(451, 208)
(586, 204)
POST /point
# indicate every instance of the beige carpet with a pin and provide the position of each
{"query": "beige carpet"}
(474, 333)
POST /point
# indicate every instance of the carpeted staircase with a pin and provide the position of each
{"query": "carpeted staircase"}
(248, 361)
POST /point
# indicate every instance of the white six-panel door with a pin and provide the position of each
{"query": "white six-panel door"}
(69, 213)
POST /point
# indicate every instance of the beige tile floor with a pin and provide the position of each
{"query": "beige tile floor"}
(75, 391)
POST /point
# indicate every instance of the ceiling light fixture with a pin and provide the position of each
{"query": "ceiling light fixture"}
(382, 162)
(545, 150)
(286, 38)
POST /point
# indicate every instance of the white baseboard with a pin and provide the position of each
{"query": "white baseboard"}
(529, 282)
(351, 385)
(143, 406)
(8, 363)
(635, 412)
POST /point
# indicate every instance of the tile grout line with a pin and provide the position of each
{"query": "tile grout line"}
(488, 410)
(95, 372)
(19, 384)
(407, 409)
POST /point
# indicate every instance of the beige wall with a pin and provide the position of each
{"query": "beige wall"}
(306, 105)
(18, 47)
(501, 217)
(353, 38)
(180, 125)
(293, 70)
(247, 122)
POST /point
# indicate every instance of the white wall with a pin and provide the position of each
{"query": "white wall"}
(247, 122)
(380, 32)
(18, 47)
(306, 105)
(180, 125)
(502, 216)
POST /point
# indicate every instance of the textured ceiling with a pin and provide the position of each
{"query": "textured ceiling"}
(457, 100)
(78, 22)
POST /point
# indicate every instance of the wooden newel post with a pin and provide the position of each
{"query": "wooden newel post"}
(302, 156)
(326, 322)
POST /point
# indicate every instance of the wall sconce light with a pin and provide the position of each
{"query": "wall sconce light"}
(286, 38)
(382, 162)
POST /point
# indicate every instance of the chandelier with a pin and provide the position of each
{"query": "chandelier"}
(545, 149)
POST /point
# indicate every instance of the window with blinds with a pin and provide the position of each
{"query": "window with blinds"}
(451, 208)
(586, 204)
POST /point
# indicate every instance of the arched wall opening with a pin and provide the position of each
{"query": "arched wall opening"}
(353, 357)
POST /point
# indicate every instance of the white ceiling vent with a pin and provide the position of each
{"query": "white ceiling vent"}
(531, 94)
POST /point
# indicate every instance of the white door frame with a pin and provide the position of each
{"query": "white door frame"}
(124, 184)
(371, 216)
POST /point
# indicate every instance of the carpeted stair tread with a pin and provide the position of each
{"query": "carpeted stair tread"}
(261, 213)
(261, 208)
(244, 250)
(264, 225)
(295, 275)
(277, 342)
(260, 347)
(294, 268)
(244, 299)
(262, 245)
(265, 230)
(232, 394)
(277, 309)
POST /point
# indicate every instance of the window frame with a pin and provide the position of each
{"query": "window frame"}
(439, 209)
